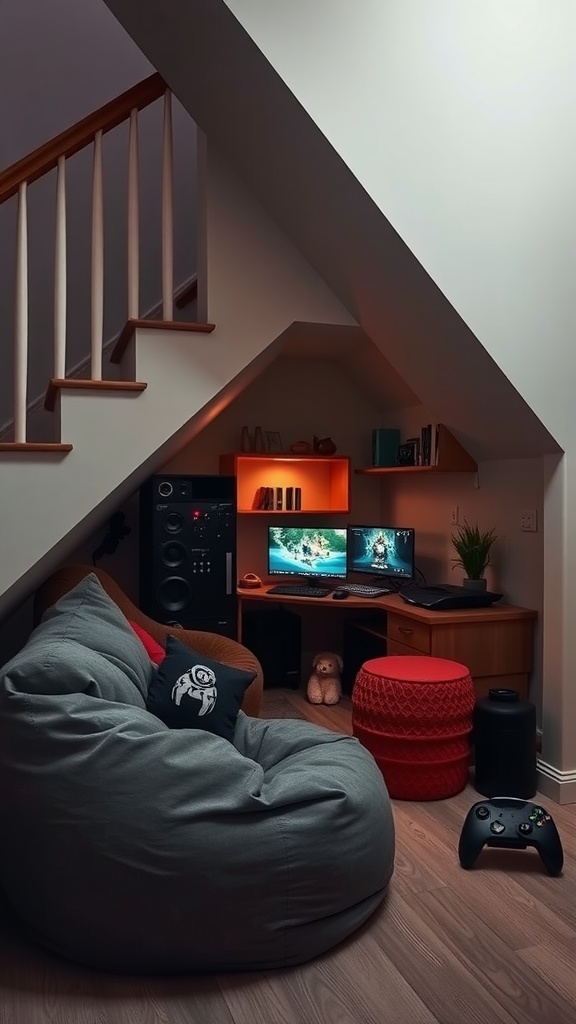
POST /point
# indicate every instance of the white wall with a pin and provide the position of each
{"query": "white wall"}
(280, 150)
(468, 107)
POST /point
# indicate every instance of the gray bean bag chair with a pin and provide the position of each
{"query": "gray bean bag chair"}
(132, 847)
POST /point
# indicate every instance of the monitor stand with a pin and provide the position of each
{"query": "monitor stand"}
(394, 583)
(329, 583)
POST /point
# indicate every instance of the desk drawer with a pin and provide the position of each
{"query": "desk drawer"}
(409, 632)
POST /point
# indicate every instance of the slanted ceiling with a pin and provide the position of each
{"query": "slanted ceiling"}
(363, 363)
(267, 137)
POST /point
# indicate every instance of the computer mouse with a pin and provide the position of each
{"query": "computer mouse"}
(339, 595)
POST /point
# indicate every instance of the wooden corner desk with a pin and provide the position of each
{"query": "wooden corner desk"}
(495, 643)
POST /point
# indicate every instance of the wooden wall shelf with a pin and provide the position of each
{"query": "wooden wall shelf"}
(452, 458)
(324, 480)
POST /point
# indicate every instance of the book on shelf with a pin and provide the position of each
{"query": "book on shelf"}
(385, 441)
(429, 444)
(264, 498)
(425, 435)
(434, 445)
(259, 498)
(277, 499)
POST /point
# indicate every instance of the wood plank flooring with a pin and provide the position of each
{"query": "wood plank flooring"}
(494, 945)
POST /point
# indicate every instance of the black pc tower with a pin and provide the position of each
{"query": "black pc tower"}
(188, 552)
(273, 635)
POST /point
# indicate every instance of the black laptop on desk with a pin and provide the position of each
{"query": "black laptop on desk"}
(446, 596)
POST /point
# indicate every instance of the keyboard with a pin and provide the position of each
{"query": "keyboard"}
(287, 590)
(362, 590)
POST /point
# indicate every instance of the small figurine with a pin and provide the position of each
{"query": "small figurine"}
(323, 445)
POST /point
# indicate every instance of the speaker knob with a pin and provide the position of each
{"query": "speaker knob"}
(165, 488)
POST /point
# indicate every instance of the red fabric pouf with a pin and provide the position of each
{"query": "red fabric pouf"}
(414, 715)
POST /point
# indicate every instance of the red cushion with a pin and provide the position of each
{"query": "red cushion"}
(155, 651)
(416, 669)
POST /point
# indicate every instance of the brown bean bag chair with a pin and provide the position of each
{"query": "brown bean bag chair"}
(220, 648)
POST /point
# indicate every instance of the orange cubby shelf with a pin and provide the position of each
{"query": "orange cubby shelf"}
(323, 480)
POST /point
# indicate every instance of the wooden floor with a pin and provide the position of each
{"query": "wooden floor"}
(494, 944)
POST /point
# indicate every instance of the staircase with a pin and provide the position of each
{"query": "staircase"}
(115, 417)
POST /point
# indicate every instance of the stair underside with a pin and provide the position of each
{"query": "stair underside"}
(75, 487)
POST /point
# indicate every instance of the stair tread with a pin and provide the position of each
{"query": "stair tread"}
(192, 327)
(34, 446)
(57, 384)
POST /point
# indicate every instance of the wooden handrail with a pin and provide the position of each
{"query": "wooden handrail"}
(71, 141)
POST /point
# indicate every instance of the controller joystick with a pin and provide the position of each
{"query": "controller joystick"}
(513, 824)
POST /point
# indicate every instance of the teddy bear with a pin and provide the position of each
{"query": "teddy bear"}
(324, 685)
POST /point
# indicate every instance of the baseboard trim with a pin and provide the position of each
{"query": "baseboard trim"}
(559, 786)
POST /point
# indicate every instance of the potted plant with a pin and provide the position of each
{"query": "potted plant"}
(473, 549)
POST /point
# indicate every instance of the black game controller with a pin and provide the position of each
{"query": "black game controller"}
(509, 823)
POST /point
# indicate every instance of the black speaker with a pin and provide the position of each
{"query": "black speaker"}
(188, 552)
(505, 745)
(273, 635)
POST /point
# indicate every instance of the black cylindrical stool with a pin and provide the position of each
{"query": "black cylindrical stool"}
(505, 745)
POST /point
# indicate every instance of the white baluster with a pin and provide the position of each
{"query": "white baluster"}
(97, 316)
(21, 318)
(133, 219)
(167, 214)
(60, 275)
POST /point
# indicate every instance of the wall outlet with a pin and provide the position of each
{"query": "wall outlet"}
(529, 521)
(454, 515)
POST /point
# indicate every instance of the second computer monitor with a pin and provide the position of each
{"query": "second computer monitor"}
(382, 551)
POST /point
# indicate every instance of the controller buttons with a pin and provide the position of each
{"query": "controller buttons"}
(482, 813)
(497, 827)
(524, 828)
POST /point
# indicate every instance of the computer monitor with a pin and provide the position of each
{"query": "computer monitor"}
(319, 551)
(382, 551)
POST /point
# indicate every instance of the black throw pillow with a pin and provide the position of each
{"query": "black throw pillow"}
(191, 691)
